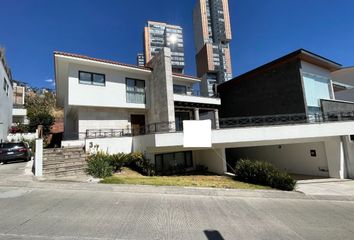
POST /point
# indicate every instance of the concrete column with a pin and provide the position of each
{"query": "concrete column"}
(38, 158)
(336, 158)
(196, 113)
(216, 117)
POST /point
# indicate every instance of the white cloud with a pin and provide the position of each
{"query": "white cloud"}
(49, 80)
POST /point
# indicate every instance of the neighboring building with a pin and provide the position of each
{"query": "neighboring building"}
(117, 107)
(297, 89)
(140, 60)
(159, 35)
(298, 83)
(105, 98)
(5, 97)
(19, 112)
(212, 30)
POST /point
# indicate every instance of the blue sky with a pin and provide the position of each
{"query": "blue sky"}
(112, 29)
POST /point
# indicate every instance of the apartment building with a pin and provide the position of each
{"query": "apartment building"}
(212, 31)
(19, 112)
(5, 97)
(158, 35)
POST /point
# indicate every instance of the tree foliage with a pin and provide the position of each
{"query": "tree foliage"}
(35, 104)
(41, 118)
(40, 110)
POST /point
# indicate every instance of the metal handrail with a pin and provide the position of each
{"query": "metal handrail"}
(234, 122)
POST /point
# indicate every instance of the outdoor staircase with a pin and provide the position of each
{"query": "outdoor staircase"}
(64, 162)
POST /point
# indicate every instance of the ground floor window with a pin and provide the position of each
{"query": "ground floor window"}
(171, 163)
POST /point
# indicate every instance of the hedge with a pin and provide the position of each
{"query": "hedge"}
(263, 173)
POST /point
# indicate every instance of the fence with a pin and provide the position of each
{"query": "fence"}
(235, 122)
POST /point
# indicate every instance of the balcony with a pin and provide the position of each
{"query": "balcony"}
(193, 98)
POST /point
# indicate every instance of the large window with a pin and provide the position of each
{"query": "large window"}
(92, 78)
(135, 90)
(170, 163)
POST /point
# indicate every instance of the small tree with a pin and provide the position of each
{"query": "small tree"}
(42, 118)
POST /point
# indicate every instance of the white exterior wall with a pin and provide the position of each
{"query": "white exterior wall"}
(5, 104)
(105, 118)
(214, 159)
(292, 158)
(109, 145)
(113, 94)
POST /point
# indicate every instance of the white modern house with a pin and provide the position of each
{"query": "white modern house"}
(5, 97)
(117, 107)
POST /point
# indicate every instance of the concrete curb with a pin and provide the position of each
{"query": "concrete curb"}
(171, 190)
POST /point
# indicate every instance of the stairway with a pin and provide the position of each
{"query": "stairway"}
(64, 162)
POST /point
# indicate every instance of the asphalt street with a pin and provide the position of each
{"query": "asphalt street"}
(53, 210)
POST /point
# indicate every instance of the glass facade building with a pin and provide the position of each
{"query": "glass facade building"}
(159, 35)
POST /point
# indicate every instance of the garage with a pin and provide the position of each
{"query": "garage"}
(302, 159)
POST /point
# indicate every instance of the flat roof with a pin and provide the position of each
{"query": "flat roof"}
(301, 54)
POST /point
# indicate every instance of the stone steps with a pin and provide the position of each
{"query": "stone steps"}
(65, 168)
(63, 162)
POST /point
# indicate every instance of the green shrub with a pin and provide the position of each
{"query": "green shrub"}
(263, 173)
(98, 165)
(117, 161)
(141, 164)
(103, 165)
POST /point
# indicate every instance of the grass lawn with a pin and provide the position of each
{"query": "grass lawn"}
(128, 176)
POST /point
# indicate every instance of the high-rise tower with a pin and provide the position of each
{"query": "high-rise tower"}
(212, 30)
(159, 35)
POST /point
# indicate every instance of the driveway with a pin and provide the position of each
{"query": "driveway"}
(16, 170)
(326, 187)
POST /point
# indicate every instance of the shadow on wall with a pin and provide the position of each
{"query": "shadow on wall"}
(213, 235)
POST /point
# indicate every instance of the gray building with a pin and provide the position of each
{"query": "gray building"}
(301, 83)
(212, 30)
(159, 35)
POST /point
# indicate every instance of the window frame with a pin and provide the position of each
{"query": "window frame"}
(135, 92)
(162, 158)
(92, 77)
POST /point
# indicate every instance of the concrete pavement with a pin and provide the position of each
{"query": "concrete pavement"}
(48, 212)
(37, 210)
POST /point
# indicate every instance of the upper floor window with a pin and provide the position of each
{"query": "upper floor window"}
(92, 78)
(6, 87)
(135, 91)
(179, 89)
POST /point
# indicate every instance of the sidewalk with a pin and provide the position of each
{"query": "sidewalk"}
(321, 189)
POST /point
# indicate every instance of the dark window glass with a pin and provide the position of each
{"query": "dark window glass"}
(352, 137)
(85, 77)
(166, 163)
(179, 89)
(135, 90)
(92, 78)
(98, 79)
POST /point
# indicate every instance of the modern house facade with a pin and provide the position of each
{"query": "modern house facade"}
(115, 107)
(159, 35)
(110, 104)
(5, 97)
(292, 90)
(298, 83)
(212, 33)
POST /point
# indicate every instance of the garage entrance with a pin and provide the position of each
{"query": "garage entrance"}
(300, 159)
